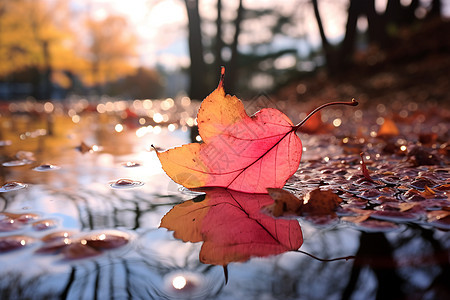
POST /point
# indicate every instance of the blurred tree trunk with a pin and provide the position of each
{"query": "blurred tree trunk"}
(356, 8)
(338, 58)
(376, 25)
(219, 41)
(377, 254)
(47, 76)
(328, 50)
(232, 73)
(436, 8)
(197, 71)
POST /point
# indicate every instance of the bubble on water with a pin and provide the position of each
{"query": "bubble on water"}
(106, 240)
(46, 167)
(189, 192)
(13, 242)
(25, 155)
(12, 186)
(21, 218)
(186, 285)
(44, 224)
(17, 163)
(54, 246)
(5, 143)
(79, 250)
(125, 184)
(8, 224)
(131, 164)
(57, 236)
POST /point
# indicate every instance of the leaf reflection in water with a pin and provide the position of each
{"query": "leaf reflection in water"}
(232, 227)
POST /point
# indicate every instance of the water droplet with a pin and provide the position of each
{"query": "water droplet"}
(125, 184)
(46, 167)
(131, 164)
(5, 143)
(44, 224)
(185, 284)
(17, 163)
(25, 155)
(78, 251)
(57, 236)
(54, 246)
(13, 242)
(8, 224)
(106, 240)
(24, 218)
(12, 186)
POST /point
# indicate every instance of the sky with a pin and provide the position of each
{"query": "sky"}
(161, 24)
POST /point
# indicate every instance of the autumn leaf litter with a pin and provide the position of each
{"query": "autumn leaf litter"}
(384, 172)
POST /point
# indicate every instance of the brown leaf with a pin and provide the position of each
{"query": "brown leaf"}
(316, 202)
(427, 193)
(388, 129)
(356, 219)
(284, 202)
(406, 206)
(422, 156)
(364, 169)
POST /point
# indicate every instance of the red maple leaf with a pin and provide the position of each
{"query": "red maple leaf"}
(239, 152)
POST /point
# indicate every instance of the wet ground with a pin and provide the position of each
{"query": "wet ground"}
(83, 196)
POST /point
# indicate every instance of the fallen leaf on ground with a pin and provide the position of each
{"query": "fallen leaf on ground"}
(428, 192)
(388, 129)
(239, 152)
(405, 206)
(421, 156)
(364, 169)
(315, 125)
(355, 219)
(316, 202)
(284, 202)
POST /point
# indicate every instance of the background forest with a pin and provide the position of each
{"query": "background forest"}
(51, 49)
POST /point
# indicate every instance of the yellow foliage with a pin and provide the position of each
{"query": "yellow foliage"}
(39, 34)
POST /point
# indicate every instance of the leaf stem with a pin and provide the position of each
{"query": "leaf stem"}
(327, 260)
(222, 77)
(352, 103)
